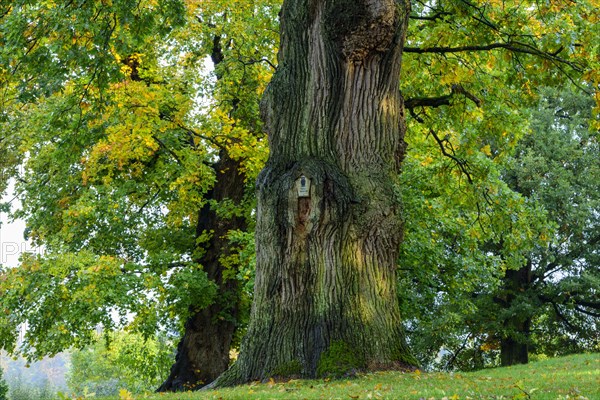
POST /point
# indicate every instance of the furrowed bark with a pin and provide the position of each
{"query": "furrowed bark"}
(325, 299)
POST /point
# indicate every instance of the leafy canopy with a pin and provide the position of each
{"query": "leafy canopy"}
(119, 152)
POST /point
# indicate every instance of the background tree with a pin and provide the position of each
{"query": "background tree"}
(128, 362)
(137, 190)
(239, 151)
(556, 167)
(482, 320)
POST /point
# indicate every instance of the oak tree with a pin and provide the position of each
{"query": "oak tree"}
(139, 197)
(138, 174)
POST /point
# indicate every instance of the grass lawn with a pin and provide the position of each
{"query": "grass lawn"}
(573, 377)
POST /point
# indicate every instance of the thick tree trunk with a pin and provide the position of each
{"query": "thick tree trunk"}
(328, 223)
(513, 352)
(203, 352)
(514, 348)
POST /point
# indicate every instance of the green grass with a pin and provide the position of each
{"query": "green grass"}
(573, 377)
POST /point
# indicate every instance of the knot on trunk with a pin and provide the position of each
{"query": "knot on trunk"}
(360, 28)
(325, 199)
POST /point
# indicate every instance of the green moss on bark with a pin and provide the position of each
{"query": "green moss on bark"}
(338, 360)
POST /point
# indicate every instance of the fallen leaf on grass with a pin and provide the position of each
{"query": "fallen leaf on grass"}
(124, 394)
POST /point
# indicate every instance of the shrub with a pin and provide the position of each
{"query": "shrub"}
(3, 387)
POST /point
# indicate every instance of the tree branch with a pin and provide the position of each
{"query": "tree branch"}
(441, 100)
(165, 147)
(586, 312)
(562, 317)
(514, 46)
(459, 49)
(427, 101)
(554, 267)
(462, 164)
(482, 17)
(150, 200)
(586, 303)
(455, 355)
(252, 61)
(434, 17)
(578, 307)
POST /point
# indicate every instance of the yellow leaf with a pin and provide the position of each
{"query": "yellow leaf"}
(486, 150)
(428, 160)
(124, 394)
